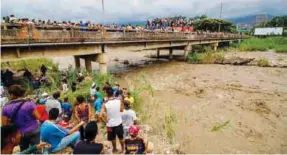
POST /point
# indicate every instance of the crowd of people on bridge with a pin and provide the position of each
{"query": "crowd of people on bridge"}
(157, 24)
(179, 24)
(49, 123)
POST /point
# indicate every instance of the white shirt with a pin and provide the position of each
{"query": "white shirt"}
(53, 103)
(113, 108)
(65, 87)
(128, 117)
(93, 92)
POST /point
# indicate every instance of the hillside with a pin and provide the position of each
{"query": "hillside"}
(250, 19)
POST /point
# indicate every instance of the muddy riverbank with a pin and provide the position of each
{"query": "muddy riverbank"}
(216, 108)
(253, 100)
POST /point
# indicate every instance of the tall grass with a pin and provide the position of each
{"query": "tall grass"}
(170, 120)
(30, 64)
(205, 58)
(279, 44)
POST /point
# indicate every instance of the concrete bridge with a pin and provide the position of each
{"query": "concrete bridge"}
(93, 46)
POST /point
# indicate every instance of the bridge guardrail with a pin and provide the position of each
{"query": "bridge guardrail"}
(28, 35)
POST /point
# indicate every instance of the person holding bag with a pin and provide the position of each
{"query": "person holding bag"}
(22, 113)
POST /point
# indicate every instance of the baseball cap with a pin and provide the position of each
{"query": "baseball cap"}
(45, 94)
(134, 130)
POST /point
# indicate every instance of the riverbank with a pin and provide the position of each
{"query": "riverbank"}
(216, 108)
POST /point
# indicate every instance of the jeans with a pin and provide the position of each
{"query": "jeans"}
(68, 141)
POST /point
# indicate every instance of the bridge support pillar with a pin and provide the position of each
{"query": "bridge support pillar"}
(187, 49)
(77, 62)
(103, 61)
(157, 53)
(170, 54)
(214, 46)
(88, 64)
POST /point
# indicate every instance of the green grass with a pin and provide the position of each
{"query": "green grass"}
(263, 63)
(205, 58)
(279, 44)
(218, 127)
(31, 64)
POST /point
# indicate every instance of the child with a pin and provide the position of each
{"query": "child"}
(65, 123)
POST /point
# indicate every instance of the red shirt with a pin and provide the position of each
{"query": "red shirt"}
(43, 113)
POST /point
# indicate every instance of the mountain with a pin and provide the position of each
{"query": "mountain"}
(250, 19)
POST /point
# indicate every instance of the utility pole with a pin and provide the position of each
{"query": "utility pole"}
(103, 25)
(220, 16)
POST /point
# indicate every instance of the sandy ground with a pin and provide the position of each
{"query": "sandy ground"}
(253, 100)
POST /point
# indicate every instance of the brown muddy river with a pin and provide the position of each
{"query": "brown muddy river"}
(250, 101)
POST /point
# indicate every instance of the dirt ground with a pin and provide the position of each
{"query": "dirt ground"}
(250, 100)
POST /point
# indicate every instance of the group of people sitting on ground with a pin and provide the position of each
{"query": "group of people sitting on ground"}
(48, 125)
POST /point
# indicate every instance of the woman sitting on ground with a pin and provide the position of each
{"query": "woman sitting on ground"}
(82, 110)
(88, 145)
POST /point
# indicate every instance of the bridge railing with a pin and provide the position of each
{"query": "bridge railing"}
(27, 36)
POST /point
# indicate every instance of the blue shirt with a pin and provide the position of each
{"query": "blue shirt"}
(52, 133)
(67, 107)
(98, 104)
(43, 100)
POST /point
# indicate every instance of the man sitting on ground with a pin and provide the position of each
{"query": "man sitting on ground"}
(88, 145)
(55, 135)
(134, 144)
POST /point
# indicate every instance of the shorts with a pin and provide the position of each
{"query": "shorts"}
(115, 131)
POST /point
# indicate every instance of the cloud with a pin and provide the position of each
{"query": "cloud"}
(136, 10)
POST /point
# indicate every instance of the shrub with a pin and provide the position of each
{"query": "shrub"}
(263, 63)
(205, 58)
(193, 58)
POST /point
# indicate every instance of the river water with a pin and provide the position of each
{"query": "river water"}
(251, 101)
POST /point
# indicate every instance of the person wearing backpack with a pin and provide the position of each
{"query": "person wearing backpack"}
(23, 114)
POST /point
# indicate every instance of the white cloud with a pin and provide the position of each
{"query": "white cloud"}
(134, 10)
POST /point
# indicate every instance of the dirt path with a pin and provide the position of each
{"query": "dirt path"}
(251, 100)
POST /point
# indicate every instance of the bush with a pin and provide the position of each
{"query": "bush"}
(193, 58)
(205, 58)
(263, 63)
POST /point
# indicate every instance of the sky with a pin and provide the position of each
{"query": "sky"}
(119, 11)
